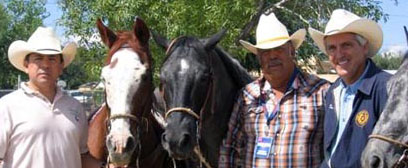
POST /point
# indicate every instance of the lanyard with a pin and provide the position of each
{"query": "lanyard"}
(275, 110)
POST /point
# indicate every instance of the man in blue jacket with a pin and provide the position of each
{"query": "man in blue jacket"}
(355, 101)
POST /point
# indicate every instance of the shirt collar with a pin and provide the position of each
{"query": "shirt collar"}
(267, 87)
(303, 82)
(29, 91)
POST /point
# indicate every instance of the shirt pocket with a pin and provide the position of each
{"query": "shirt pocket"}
(310, 117)
(252, 117)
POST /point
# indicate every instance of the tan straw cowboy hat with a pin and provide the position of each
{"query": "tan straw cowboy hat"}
(342, 21)
(42, 41)
(271, 33)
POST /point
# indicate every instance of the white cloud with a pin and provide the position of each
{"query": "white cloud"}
(95, 38)
(395, 50)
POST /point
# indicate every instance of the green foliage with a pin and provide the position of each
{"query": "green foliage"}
(390, 62)
(18, 20)
(200, 18)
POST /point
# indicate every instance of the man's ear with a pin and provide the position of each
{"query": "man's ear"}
(292, 51)
(366, 47)
(25, 64)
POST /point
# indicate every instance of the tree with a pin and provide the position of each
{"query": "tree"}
(388, 61)
(18, 20)
(203, 18)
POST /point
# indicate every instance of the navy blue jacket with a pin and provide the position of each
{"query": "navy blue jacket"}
(368, 104)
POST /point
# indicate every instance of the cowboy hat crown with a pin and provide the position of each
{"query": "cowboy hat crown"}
(271, 33)
(343, 21)
(42, 41)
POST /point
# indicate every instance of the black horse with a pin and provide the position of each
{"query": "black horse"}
(388, 143)
(199, 82)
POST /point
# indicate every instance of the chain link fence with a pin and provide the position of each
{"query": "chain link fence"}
(90, 100)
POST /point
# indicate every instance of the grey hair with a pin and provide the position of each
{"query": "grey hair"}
(360, 39)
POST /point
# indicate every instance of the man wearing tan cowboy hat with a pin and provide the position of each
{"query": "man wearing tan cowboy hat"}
(40, 125)
(277, 119)
(356, 99)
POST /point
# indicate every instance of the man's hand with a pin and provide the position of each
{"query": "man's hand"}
(90, 162)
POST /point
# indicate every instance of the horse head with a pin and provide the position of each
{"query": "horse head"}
(186, 82)
(127, 76)
(388, 144)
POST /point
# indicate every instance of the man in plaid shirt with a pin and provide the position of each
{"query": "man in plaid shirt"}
(277, 120)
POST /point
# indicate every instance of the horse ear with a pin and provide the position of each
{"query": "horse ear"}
(108, 36)
(211, 42)
(141, 31)
(160, 40)
(406, 33)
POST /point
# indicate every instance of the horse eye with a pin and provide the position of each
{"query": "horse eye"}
(144, 77)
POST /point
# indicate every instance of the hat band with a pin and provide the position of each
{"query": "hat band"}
(273, 39)
(332, 31)
(48, 50)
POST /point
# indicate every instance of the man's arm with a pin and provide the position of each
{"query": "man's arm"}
(5, 129)
(231, 144)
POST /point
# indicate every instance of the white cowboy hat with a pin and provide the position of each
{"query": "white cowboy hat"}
(42, 41)
(271, 33)
(342, 21)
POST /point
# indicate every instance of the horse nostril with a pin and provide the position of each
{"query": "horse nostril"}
(109, 144)
(185, 139)
(375, 161)
(164, 137)
(130, 143)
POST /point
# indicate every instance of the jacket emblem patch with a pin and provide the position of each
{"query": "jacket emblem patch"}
(362, 118)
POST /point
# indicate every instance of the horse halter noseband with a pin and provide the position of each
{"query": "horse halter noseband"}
(403, 160)
(124, 116)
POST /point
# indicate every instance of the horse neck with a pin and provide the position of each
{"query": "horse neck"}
(216, 116)
(151, 153)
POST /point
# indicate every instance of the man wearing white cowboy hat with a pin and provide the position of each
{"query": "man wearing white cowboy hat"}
(356, 99)
(276, 121)
(40, 125)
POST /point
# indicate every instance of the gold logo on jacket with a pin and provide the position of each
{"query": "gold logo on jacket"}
(362, 118)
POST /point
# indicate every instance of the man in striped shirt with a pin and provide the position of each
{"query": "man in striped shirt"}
(277, 120)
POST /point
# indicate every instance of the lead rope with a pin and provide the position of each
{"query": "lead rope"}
(197, 149)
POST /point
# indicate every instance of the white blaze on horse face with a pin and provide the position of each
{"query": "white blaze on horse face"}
(122, 80)
(184, 66)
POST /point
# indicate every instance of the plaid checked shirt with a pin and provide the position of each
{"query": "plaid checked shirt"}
(297, 128)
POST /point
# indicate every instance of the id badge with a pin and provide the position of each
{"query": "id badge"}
(263, 147)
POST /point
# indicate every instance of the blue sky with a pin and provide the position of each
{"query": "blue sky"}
(394, 36)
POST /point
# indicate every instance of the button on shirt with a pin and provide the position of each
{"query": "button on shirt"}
(346, 94)
(296, 129)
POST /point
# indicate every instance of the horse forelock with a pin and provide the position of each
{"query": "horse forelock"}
(128, 38)
(185, 42)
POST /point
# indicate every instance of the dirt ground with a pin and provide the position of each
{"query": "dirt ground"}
(330, 77)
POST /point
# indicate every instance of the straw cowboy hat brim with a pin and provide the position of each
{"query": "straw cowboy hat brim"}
(369, 29)
(18, 50)
(296, 38)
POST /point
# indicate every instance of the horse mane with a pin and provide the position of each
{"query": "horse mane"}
(399, 76)
(127, 37)
(237, 71)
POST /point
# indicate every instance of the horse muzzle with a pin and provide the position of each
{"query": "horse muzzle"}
(120, 148)
(180, 146)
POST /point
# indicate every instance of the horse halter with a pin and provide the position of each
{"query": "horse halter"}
(125, 116)
(191, 112)
(403, 160)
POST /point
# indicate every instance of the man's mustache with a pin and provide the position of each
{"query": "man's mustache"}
(274, 62)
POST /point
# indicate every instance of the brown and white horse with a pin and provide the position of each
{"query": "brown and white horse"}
(124, 131)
